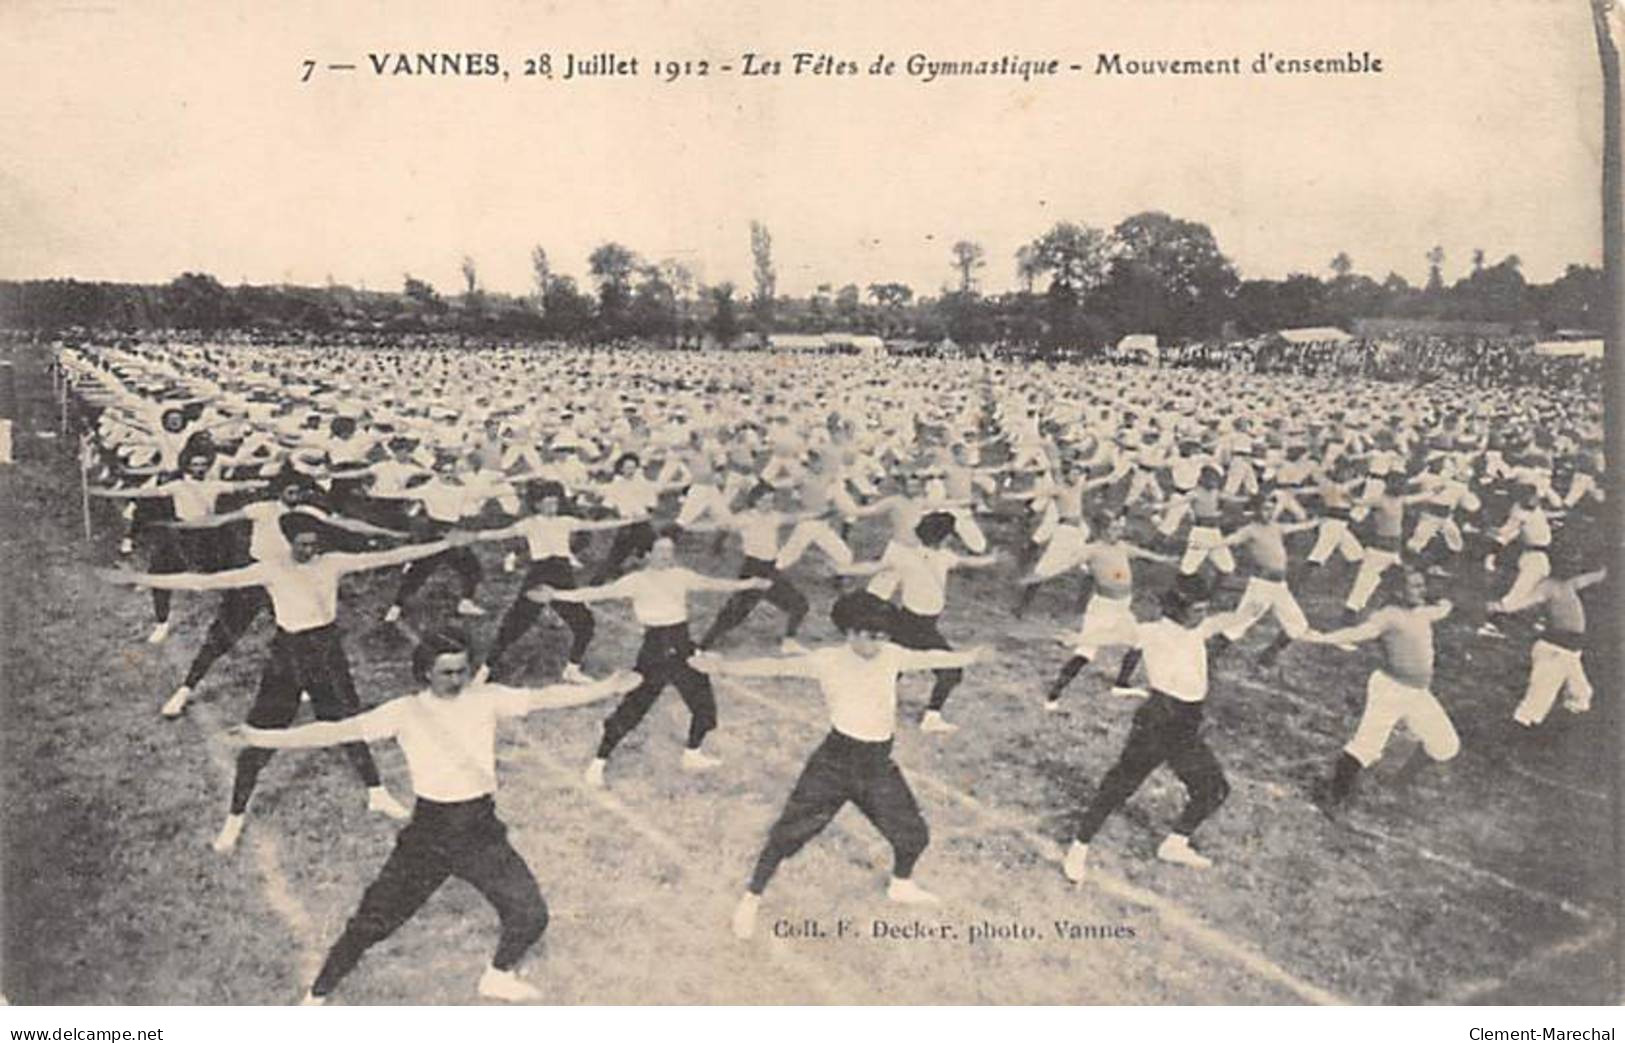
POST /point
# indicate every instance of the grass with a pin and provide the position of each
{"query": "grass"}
(1492, 879)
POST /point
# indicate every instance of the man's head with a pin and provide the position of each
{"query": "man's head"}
(293, 488)
(304, 535)
(627, 465)
(441, 660)
(546, 498)
(1415, 590)
(173, 420)
(1186, 601)
(934, 528)
(864, 620)
(196, 463)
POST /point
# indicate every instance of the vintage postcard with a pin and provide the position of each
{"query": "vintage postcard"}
(714, 503)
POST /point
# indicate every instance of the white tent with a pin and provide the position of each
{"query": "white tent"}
(1137, 342)
(1314, 335)
(1591, 349)
(797, 342)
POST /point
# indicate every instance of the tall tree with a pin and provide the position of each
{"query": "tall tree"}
(1074, 256)
(1435, 269)
(724, 322)
(1342, 265)
(612, 267)
(969, 257)
(541, 270)
(767, 279)
(1167, 277)
(1027, 270)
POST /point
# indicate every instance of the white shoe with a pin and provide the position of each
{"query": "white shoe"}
(392, 614)
(226, 842)
(1076, 863)
(1177, 849)
(380, 800)
(575, 675)
(128, 513)
(483, 674)
(1490, 630)
(126, 546)
(790, 646)
(1346, 646)
(1129, 691)
(177, 702)
(907, 892)
(744, 918)
(510, 563)
(508, 987)
(933, 722)
(1052, 706)
(466, 607)
(594, 776)
(310, 999)
(160, 634)
(696, 762)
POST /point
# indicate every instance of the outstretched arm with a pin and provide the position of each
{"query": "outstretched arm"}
(252, 576)
(1367, 631)
(313, 736)
(765, 666)
(1589, 579)
(397, 555)
(149, 492)
(564, 696)
(208, 521)
(911, 659)
(727, 586)
(607, 592)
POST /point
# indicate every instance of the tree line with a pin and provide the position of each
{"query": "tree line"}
(1077, 287)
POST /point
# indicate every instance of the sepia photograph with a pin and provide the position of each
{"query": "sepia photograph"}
(712, 504)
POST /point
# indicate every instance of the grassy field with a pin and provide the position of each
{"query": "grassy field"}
(1490, 880)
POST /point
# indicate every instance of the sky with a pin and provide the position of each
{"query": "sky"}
(146, 139)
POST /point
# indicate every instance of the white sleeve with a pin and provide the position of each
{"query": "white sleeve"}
(380, 722)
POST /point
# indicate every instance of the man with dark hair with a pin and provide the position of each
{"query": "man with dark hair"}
(307, 654)
(854, 762)
(194, 495)
(758, 526)
(1397, 693)
(1109, 619)
(240, 606)
(547, 533)
(659, 591)
(1166, 730)
(448, 734)
(1555, 663)
(919, 575)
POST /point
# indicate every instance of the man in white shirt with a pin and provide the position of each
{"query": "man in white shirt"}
(448, 733)
(758, 525)
(1166, 730)
(193, 495)
(919, 576)
(659, 592)
(307, 654)
(854, 762)
(552, 565)
(240, 606)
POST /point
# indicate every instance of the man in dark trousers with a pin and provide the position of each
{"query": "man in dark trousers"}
(1166, 730)
(854, 762)
(448, 733)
